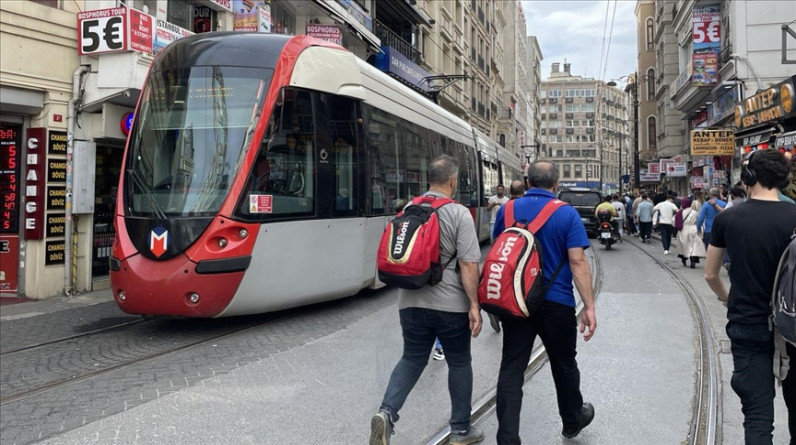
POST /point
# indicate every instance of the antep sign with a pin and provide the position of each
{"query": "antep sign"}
(712, 143)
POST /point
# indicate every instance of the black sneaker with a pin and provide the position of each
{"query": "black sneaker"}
(586, 416)
(380, 429)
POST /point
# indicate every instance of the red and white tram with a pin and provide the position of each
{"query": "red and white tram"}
(261, 170)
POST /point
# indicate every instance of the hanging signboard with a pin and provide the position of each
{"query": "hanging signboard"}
(34, 183)
(712, 143)
(330, 33)
(649, 177)
(114, 30)
(706, 37)
(676, 170)
(654, 167)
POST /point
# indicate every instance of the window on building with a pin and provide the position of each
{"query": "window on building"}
(578, 170)
(567, 171)
(650, 34)
(652, 134)
(651, 84)
(50, 3)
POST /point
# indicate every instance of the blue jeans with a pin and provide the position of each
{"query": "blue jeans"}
(420, 327)
(667, 230)
(556, 325)
(752, 348)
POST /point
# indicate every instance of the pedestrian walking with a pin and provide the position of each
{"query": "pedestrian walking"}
(755, 233)
(448, 310)
(563, 236)
(689, 245)
(708, 212)
(665, 210)
(643, 214)
(631, 225)
(620, 211)
(493, 205)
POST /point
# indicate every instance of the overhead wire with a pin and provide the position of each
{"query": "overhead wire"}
(610, 35)
(605, 29)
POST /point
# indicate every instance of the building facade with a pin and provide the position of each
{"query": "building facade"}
(584, 128)
(646, 83)
(534, 96)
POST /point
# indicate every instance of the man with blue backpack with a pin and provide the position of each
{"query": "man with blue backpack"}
(563, 240)
(755, 233)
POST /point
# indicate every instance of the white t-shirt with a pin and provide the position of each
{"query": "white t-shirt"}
(500, 202)
(620, 209)
(666, 209)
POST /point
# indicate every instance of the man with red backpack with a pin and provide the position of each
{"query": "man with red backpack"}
(447, 309)
(563, 240)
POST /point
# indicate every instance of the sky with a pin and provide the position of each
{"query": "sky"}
(573, 30)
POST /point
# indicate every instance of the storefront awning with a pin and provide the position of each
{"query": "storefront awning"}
(19, 101)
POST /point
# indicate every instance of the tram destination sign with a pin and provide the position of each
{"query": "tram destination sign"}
(712, 143)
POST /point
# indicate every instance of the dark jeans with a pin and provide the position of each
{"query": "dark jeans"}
(645, 228)
(706, 239)
(556, 325)
(631, 226)
(420, 327)
(667, 230)
(753, 380)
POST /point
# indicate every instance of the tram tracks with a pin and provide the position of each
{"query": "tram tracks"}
(705, 406)
(485, 405)
(64, 349)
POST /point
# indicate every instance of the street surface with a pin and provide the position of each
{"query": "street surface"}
(317, 374)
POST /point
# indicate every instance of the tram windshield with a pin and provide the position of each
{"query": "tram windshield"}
(193, 128)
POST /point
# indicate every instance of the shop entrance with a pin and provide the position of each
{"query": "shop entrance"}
(108, 168)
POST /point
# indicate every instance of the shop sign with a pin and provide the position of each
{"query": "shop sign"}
(56, 170)
(264, 24)
(723, 106)
(226, 5)
(56, 143)
(654, 167)
(202, 17)
(56, 225)
(706, 35)
(114, 30)
(665, 165)
(698, 182)
(774, 103)
(676, 170)
(34, 183)
(712, 142)
(55, 252)
(330, 33)
(10, 152)
(392, 61)
(706, 69)
(56, 198)
(754, 139)
(649, 177)
(126, 123)
(166, 33)
(9, 263)
(786, 141)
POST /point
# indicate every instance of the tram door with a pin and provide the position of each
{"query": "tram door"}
(340, 185)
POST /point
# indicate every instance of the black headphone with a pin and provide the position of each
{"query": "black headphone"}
(748, 174)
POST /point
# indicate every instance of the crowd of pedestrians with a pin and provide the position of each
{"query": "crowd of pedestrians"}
(748, 227)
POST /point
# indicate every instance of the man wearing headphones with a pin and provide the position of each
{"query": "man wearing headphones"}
(755, 233)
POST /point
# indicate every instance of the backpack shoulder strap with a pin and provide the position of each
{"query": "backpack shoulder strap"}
(432, 201)
(508, 214)
(545, 214)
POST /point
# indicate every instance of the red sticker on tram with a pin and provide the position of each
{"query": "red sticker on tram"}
(261, 203)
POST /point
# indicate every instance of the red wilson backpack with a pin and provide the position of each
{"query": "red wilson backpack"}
(408, 255)
(512, 284)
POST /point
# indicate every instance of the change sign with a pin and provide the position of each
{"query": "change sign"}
(712, 143)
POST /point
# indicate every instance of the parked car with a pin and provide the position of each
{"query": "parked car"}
(585, 201)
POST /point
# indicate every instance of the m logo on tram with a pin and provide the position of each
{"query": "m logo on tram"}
(158, 241)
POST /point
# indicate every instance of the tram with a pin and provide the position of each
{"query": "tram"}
(261, 170)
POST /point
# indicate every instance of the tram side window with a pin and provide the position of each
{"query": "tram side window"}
(281, 180)
(345, 155)
(415, 140)
(387, 165)
(491, 179)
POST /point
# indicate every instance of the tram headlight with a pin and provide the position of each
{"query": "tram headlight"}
(222, 242)
(243, 233)
(122, 296)
(193, 298)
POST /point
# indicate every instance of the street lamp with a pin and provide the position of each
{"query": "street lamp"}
(528, 154)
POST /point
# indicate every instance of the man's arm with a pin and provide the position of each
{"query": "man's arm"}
(712, 268)
(470, 283)
(581, 272)
(702, 216)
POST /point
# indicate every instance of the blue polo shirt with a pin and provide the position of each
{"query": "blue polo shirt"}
(564, 230)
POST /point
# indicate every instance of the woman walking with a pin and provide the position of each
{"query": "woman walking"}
(689, 244)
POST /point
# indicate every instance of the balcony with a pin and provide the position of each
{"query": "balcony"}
(724, 55)
(392, 39)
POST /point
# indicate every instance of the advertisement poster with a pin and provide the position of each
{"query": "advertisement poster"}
(706, 69)
(712, 142)
(246, 15)
(330, 33)
(202, 17)
(167, 33)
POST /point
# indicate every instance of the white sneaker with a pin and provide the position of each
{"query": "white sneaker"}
(439, 354)
(665, 252)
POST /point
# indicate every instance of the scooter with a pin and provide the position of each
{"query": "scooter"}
(606, 233)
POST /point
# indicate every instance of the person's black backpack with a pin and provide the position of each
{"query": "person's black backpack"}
(783, 307)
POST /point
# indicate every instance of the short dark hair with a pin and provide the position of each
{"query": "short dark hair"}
(643, 196)
(737, 192)
(543, 174)
(771, 167)
(500, 186)
(442, 169)
(607, 198)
